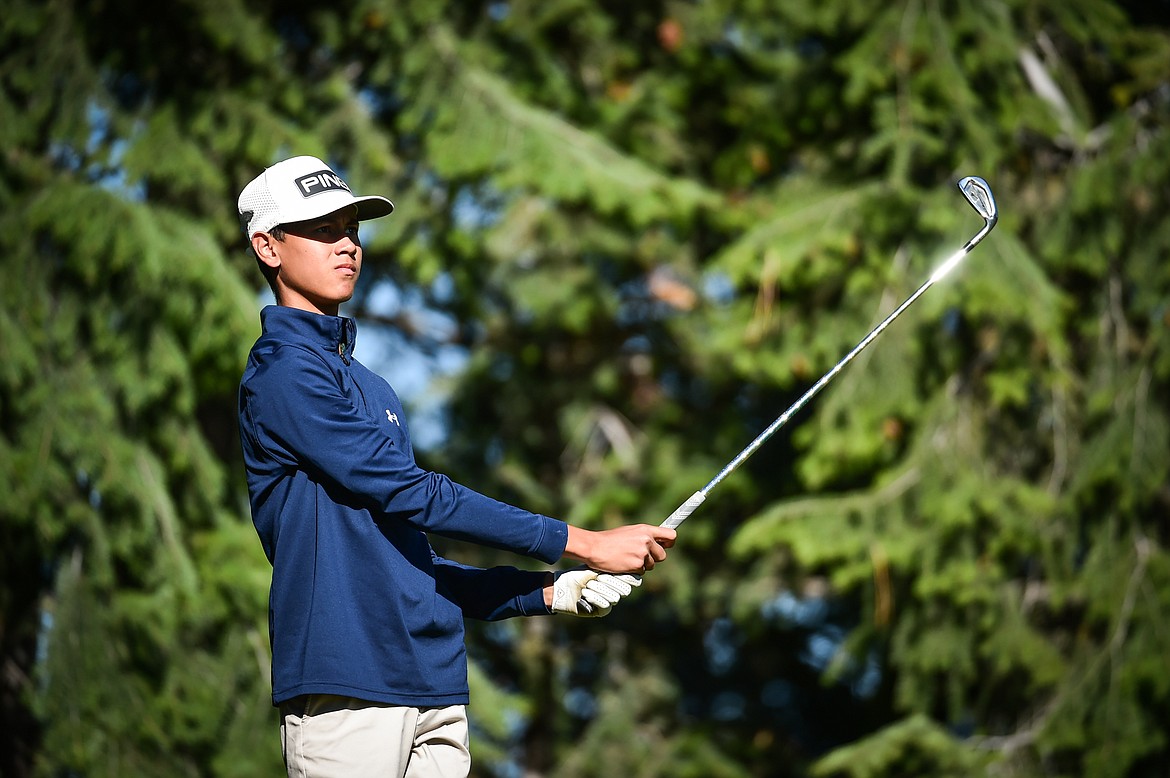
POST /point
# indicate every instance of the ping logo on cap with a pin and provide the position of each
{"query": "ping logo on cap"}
(321, 181)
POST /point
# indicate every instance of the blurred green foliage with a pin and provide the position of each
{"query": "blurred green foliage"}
(653, 226)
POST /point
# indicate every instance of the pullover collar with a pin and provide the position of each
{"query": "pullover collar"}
(336, 334)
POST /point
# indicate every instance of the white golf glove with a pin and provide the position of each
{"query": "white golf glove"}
(585, 592)
(610, 587)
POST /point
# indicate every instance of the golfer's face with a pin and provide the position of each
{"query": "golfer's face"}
(320, 261)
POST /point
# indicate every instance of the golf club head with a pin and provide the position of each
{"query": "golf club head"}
(978, 193)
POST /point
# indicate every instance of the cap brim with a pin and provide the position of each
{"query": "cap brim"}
(368, 207)
(373, 207)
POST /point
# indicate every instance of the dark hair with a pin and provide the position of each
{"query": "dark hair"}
(267, 271)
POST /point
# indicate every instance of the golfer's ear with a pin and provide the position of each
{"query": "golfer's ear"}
(265, 247)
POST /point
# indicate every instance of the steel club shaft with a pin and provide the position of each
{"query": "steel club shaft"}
(978, 194)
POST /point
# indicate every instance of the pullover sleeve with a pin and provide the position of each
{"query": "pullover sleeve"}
(300, 414)
(494, 593)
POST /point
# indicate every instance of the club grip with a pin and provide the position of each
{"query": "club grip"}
(686, 509)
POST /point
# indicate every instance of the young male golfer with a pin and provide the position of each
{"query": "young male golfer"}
(366, 621)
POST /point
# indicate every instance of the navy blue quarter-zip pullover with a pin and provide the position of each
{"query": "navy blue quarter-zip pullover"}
(360, 604)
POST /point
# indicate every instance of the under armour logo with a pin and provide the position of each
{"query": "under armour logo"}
(392, 417)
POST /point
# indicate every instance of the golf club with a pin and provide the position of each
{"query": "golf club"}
(978, 193)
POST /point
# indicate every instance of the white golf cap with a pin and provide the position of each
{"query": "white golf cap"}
(299, 189)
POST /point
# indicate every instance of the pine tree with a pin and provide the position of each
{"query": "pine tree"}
(649, 227)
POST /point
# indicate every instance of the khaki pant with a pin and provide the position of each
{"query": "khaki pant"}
(326, 736)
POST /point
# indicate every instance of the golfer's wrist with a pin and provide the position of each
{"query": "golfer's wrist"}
(549, 586)
(581, 544)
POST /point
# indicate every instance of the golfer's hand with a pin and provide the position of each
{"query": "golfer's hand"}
(609, 588)
(572, 593)
(634, 548)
